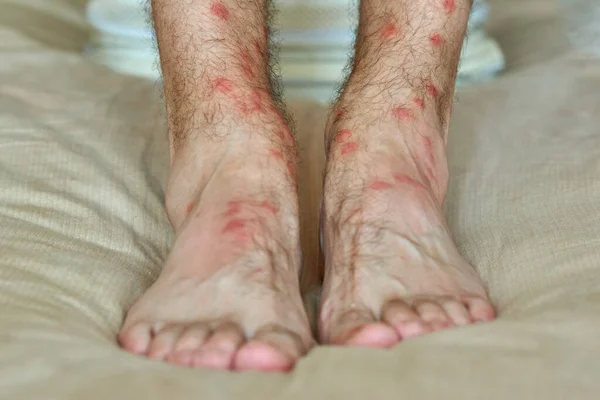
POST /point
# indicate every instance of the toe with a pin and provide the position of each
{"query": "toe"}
(164, 341)
(372, 335)
(359, 328)
(218, 351)
(189, 341)
(136, 338)
(259, 356)
(457, 312)
(432, 313)
(272, 349)
(480, 308)
(404, 319)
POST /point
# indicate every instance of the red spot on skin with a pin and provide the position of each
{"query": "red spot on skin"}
(349, 148)
(223, 85)
(450, 6)
(380, 185)
(219, 10)
(436, 39)
(432, 90)
(267, 205)
(189, 208)
(234, 226)
(407, 180)
(419, 102)
(276, 155)
(402, 113)
(343, 135)
(389, 31)
(233, 207)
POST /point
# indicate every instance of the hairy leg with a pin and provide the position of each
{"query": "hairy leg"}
(228, 296)
(392, 268)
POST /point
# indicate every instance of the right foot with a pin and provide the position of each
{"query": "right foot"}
(228, 296)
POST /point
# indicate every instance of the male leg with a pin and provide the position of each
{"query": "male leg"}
(392, 268)
(228, 296)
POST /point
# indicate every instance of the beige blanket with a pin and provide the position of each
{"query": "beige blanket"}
(83, 232)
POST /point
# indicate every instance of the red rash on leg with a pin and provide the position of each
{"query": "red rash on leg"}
(407, 180)
(402, 113)
(389, 31)
(234, 226)
(189, 208)
(239, 229)
(380, 185)
(219, 10)
(223, 85)
(349, 148)
(276, 155)
(432, 90)
(450, 6)
(420, 102)
(343, 135)
(436, 39)
(267, 205)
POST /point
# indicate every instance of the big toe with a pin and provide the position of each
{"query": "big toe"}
(272, 349)
(359, 328)
(136, 338)
(262, 357)
(480, 309)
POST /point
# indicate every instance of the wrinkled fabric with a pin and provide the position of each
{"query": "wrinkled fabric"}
(83, 162)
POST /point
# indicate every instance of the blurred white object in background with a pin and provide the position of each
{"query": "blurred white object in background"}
(316, 38)
(583, 24)
(122, 37)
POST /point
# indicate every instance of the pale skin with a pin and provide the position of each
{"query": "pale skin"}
(228, 296)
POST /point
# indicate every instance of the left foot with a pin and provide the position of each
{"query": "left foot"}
(392, 268)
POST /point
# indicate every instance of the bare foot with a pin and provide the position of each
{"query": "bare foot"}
(228, 297)
(392, 269)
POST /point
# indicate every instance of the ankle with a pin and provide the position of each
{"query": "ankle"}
(238, 168)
